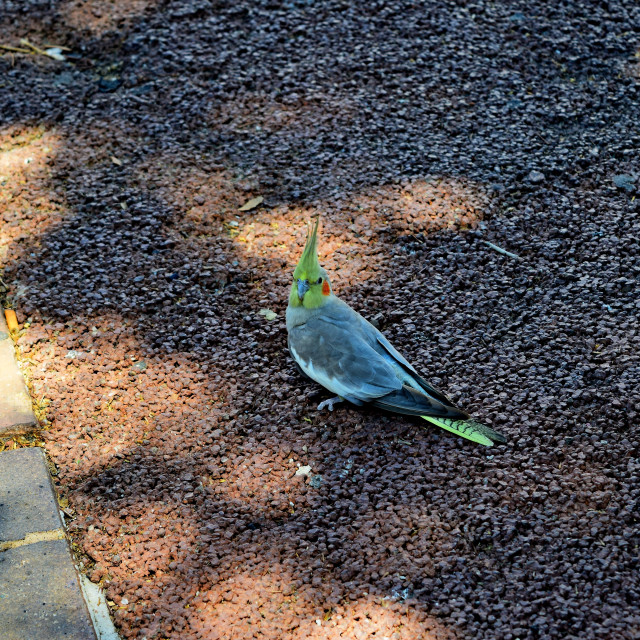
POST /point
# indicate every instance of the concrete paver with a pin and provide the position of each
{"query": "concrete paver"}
(27, 499)
(40, 593)
(16, 415)
(40, 596)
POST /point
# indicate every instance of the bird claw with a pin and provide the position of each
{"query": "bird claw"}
(328, 404)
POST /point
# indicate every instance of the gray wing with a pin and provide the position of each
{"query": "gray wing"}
(417, 396)
(339, 359)
(393, 355)
(337, 351)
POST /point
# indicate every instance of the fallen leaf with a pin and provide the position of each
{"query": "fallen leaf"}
(12, 320)
(304, 471)
(268, 314)
(252, 204)
(116, 161)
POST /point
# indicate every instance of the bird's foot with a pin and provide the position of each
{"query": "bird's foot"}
(328, 404)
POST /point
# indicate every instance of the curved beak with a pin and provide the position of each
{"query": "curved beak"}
(303, 287)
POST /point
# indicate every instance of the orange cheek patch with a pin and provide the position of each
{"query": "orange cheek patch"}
(326, 289)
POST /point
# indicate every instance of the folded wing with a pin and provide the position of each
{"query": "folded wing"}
(341, 355)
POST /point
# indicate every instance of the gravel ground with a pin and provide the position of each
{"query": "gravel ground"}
(175, 417)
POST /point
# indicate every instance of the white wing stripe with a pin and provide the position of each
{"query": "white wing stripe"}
(327, 382)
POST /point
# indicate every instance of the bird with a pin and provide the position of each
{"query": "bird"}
(336, 347)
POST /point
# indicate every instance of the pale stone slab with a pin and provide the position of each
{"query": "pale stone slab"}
(16, 414)
(40, 598)
(40, 595)
(27, 500)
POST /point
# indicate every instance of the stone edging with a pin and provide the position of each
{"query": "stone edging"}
(16, 414)
(40, 590)
(40, 595)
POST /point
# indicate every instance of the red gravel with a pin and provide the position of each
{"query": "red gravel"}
(175, 417)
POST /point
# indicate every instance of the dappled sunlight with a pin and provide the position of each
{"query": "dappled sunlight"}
(209, 201)
(36, 166)
(351, 246)
(264, 604)
(201, 194)
(423, 206)
(99, 16)
(228, 587)
(104, 402)
(269, 476)
(201, 487)
(190, 430)
(26, 194)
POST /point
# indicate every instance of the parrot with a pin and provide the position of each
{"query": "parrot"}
(336, 347)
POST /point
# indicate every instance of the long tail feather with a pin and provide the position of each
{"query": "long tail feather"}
(469, 429)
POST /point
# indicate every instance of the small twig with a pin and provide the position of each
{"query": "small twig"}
(8, 47)
(26, 43)
(38, 50)
(504, 252)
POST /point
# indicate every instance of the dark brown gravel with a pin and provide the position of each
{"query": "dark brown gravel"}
(175, 417)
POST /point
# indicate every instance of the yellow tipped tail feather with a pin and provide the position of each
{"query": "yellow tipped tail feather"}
(469, 429)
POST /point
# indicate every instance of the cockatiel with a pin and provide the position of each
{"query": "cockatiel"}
(335, 346)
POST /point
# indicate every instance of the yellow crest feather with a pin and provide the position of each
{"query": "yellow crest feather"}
(308, 266)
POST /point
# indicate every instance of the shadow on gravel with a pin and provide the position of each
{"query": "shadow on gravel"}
(178, 420)
(244, 547)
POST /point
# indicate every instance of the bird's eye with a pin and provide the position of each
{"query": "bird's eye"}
(319, 280)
